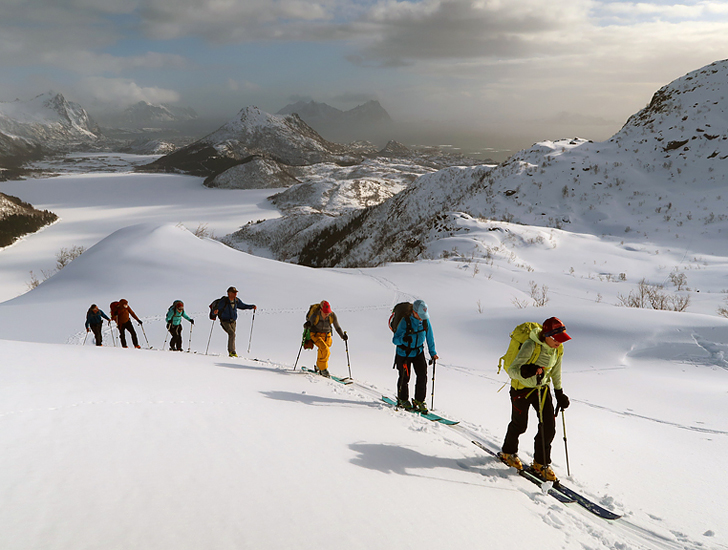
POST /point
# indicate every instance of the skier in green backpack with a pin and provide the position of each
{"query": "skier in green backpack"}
(538, 362)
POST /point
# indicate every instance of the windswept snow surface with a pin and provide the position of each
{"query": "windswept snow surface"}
(116, 449)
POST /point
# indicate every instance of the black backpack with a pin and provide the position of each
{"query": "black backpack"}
(404, 310)
(213, 307)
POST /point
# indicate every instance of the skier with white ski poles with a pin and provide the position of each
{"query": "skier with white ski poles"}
(226, 309)
(537, 363)
(320, 320)
(412, 328)
(94, 322)
(175, 313)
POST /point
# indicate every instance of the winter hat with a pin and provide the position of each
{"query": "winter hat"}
(554, 328)
(420, 308)
(325, 307)
(232, 289)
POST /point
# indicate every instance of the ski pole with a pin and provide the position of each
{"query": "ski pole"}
(434, 364)
(566, 447)
(166, 334)
(189, 345)
(251, 331)
(84, 339)
(541, 427)
(212, 326)
(145, 334)
(346, 343)
(113, 338)
(299, 355)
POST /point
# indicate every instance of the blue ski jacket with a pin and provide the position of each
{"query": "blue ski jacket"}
(410, 343)
(228, 311)
(95, 318)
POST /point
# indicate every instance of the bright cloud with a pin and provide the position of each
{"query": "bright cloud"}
(123, 92)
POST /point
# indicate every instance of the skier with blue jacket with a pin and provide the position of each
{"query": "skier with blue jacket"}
(413, 330)
(227, 311)
(174, 324)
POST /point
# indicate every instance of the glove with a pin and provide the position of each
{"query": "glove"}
(407, 339)
(140, 322)
(345, 337)
(192, 321)
(562, 400)
(307, 324)
(528, 370)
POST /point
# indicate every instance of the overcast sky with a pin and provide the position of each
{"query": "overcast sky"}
(521, 69)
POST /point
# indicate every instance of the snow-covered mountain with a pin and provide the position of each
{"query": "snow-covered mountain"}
(284, 139)
(45, 124)
(257, 150)
(668, 164)
(49, 119)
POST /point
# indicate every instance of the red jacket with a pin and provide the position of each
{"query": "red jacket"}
(122, 313)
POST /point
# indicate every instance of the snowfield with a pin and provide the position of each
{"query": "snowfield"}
(117, 449)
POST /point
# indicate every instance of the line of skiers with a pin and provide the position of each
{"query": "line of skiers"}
(224, 309)
(533, 360)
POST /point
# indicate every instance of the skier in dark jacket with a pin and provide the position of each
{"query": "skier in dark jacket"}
(227, 312)
(94, 322)
(410, 336)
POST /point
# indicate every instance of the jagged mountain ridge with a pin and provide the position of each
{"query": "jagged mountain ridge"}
(48, 119)
(670, 160)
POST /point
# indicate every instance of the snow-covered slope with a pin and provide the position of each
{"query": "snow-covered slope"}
(105, 445)
(661, 177)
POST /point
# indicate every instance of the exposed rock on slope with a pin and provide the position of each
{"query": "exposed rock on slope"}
(669, 161)
(18, 218)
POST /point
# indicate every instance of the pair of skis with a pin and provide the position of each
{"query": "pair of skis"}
(558, 490)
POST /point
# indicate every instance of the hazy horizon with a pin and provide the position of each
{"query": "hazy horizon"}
(484, 73)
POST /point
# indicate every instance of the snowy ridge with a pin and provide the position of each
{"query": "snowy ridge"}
(661, 177)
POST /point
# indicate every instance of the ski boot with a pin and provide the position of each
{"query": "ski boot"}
(232, 354)
(324, 373)
(404, 404)
(419, 406)
(544, 472)
(511, 460)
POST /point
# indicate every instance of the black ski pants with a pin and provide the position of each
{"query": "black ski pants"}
(96, 329)
(521, 402)
(122, 334)
(175, 343)
(405, 366)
